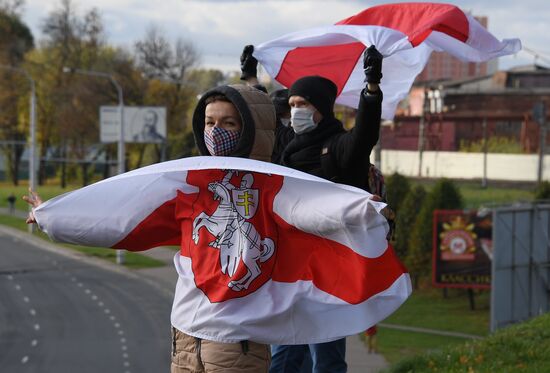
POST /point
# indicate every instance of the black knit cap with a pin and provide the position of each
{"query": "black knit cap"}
(320, 92)
(280, 101)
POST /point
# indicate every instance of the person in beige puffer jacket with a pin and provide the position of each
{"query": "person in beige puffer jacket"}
(253, 114)
(234, 121)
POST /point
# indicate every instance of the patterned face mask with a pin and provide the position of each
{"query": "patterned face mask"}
(220, 141)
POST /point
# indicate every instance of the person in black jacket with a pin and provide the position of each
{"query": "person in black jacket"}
(322, 146)
(283, 131)
(319, 145)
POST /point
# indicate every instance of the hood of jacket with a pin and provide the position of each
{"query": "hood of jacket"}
(257, 116)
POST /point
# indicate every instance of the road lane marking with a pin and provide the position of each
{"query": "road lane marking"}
(10, 277)
(107, 310)
(17, 287)
(32, 312)
(34, 343)
(117, 325)
(24, 360)
(26, 299)
(36, 326)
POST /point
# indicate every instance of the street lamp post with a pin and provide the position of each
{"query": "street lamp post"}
(121, 144)
(32, 124)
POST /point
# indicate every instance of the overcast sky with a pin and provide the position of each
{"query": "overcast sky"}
(220, 28)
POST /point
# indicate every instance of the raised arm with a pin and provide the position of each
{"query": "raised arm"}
(359, 142)
(249, 68)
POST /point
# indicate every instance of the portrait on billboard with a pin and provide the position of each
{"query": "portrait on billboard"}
(142, 124)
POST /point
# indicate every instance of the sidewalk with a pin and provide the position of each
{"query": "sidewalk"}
(357, 356)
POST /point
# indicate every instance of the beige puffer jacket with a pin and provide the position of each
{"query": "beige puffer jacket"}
(258, 120)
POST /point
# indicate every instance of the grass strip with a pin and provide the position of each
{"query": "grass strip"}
(131, 260)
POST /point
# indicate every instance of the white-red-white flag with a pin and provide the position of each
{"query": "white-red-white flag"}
(404, 33)
(267, 254)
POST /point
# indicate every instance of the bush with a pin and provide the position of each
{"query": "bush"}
(397, 188)
(404, 222)
(543, 190)
(494, 145)
(444, 196)
(519, 348)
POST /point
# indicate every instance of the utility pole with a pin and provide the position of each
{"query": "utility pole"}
(32, 130)
(121, 143)
(539, 114)
(484, 180)
(421, 129)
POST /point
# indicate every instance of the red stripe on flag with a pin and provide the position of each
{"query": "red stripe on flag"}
(416, 20)
(320, 61)
(160, 228)
(333, 267)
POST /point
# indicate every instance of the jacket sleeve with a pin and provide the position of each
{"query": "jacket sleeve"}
(360, 140)
(283, 135)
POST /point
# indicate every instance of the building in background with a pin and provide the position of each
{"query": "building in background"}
(454, 111)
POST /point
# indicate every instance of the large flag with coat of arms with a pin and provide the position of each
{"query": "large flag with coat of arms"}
(405, 33)
(267, 253)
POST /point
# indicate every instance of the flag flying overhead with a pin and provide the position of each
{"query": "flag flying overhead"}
(267, 253)
(405, 34)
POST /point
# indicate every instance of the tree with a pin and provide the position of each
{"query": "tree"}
(12, 7)
(444, 196)
(168, 68)
(543, 190)
(15, 40)
(69, 103)
(397, 188)
(406, 219)
(158, 58)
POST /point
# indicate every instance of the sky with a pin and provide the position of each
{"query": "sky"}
(221, 28)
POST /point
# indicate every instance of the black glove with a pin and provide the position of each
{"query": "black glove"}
(249, 64)
(372, 64)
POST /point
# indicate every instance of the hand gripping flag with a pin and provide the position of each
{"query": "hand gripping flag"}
(267, 254)
(405, 34)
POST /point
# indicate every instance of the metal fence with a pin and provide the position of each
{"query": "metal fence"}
(521, 263)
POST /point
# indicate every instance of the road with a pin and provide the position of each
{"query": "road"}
(59, 313)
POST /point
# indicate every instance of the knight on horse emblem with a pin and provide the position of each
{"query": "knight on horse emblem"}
(236, 238)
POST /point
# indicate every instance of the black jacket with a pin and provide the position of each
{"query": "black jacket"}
(335, 154)
(283, 135)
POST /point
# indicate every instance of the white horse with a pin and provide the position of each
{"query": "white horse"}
(236, 238)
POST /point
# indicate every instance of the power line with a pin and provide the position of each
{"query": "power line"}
(536, 54)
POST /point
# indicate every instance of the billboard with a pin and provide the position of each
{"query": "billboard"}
(142, 124)
(462, 249)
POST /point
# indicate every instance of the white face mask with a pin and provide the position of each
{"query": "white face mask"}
(285, 122)
(301, 120)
